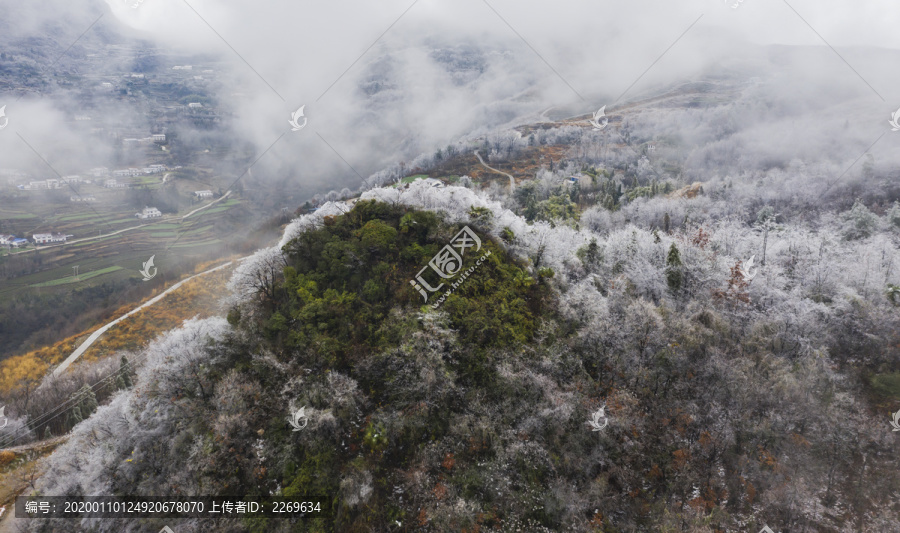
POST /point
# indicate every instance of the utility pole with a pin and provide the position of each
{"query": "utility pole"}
(75, 272)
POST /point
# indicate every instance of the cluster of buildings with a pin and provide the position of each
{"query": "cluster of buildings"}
(114, 184)
(11, 241)
(134, 172)
(99, 172)
(51, 183)
(153, 138)
(42, 184)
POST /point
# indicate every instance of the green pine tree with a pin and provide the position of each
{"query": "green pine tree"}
(87, 400)
(125, 371)
(75, 417)
(590, 255)
(674, 276)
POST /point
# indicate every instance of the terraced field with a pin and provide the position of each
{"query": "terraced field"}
(109, 246)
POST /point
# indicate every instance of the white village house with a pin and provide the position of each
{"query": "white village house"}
(47, 238)
(127, 172)
(149, 212)
(12, 240)
(204, 194)
(114, 184)
(45, 184)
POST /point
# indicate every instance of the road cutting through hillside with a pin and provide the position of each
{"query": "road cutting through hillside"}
(224, 196)
(512, 181)
(97, 334)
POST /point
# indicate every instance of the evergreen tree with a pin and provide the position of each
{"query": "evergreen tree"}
(590, 255)
(674, 276)
(893, 292)
(125, 372)
(893, 215)
(75, 417)
(667, 222)
(87, 401)
(859, 222)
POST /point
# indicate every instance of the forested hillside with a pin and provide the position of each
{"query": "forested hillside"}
(732, 397)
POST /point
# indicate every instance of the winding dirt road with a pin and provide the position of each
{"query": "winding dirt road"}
(96, 335)
(224, 196)
(512, 181)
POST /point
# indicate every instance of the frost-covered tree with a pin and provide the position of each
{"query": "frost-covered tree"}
(859, 222)
(257, 275)
(893, 216)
